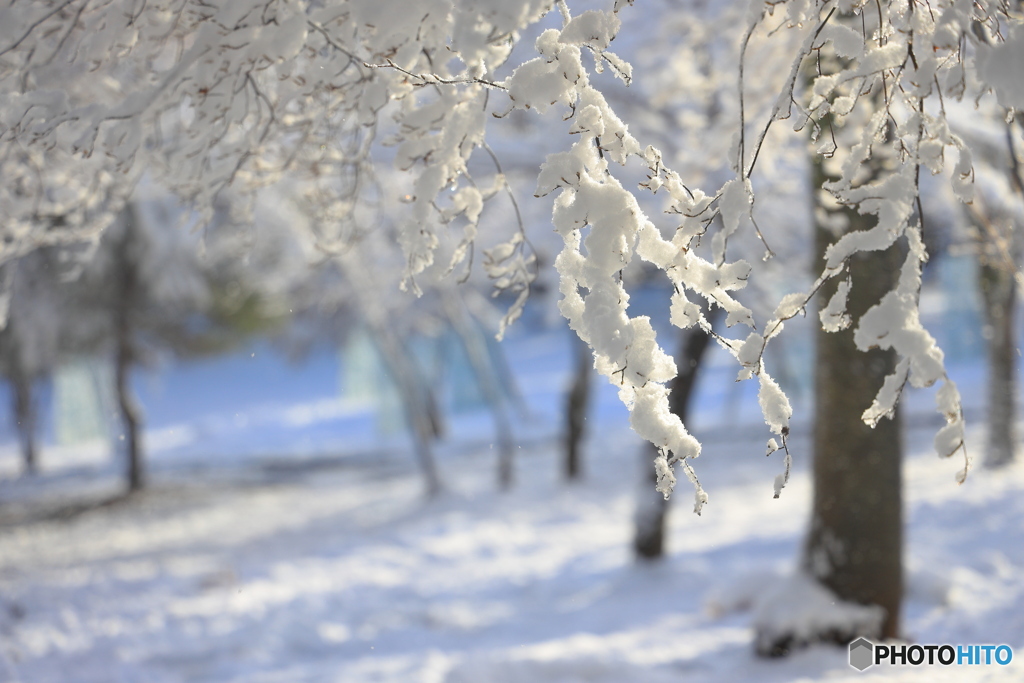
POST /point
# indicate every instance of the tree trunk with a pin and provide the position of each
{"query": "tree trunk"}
(124, 354)
(855, 543)
(130, 413)
(419, 407)
(417, 401)
(652, 507)
(25, 415)
(489, 382)
(999, 291)
(854, 546)
(997, 265)
(576, 408)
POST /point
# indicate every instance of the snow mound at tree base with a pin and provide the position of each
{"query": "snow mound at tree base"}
(800, 611)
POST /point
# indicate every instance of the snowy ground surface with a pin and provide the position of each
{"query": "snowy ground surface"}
(287, 541)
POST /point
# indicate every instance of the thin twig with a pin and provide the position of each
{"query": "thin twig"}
(434, 79)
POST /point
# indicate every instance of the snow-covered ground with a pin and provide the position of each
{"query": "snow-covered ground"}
(284, 542)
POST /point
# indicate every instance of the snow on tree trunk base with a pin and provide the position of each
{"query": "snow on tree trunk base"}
(800, 611)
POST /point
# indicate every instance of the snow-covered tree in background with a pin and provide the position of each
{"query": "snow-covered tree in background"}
(207, 96)
(31, 341)
(994, 218)
(145, 291)
(141, 289)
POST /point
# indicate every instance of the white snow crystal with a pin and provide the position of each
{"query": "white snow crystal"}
(774, 404)
(833, 316)
(999, 67)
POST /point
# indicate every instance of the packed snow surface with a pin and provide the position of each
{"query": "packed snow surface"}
(329, 566)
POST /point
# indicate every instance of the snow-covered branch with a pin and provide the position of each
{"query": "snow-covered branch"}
(203, 96)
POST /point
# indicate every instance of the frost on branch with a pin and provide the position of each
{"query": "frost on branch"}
(206, 95)
(895, 323)
(737, 197)
(999, 67)
(601, 223)
(513, 271)
(884, 404)
(834, 316)
(874, 107)
(777, 412)
(890, 199)
(603, 226)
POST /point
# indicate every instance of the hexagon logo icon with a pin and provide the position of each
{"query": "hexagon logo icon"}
(862, 654)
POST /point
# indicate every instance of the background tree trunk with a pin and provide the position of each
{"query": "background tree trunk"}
(128, 282)
(576, 406)
(25, 416)
(489, 380)
(652, 507)
(999, 291)
(418, 404)
(130, 412)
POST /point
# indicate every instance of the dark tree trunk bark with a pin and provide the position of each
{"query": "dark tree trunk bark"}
(124, 354)
(854, 546)
(855, 543)
(434, 417)
(999, 291)
(25, 415)
(130, 412)
(576, 406)
(652, 507)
